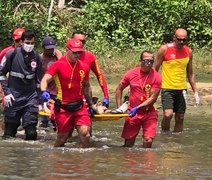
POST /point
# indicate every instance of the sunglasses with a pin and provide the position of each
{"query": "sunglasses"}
(181, 39)
(148, 61)
(17, 40)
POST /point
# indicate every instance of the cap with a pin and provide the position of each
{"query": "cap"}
(49, 42)
(74, 45)
(17, 33)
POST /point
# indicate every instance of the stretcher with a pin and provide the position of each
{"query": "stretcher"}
(97, 117)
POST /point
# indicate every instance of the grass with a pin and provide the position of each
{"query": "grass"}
(114, 65)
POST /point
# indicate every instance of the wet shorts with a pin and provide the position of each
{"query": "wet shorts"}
(65, 121)
(173, 99)
(148, 122)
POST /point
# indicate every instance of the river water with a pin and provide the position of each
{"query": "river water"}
(186, 155)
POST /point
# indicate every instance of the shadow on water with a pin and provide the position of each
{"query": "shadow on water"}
(184, 155)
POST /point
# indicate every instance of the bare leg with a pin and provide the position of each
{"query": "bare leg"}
(61, 140)
(147, 142)
(70, 133)
(84, 135)
(179, 118)
(167, 116)
(129, 142)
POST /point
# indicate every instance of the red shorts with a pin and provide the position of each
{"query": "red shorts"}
(148, 122)
(65, 120)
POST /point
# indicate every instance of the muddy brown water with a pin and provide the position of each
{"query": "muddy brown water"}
(186, 155)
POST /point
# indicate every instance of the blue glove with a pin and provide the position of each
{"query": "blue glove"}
(91, 111)
(105, 102)
(133, 111)
(45, 96)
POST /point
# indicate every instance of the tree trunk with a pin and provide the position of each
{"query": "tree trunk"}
(61, 4)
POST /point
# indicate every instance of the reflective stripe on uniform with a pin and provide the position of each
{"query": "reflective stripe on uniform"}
(20, 75)
(3, 78)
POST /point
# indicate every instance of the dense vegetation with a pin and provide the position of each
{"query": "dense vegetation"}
(112, 25)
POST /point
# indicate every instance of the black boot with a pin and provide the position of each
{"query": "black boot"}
(10, 130)
(31, 133)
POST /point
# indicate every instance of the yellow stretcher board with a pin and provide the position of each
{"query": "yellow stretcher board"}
(108, 117)
(97, 117)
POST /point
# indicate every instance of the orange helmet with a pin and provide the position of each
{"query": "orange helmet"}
(17, 33)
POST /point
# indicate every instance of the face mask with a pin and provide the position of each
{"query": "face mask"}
(28, 47)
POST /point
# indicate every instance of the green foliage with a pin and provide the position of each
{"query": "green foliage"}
(112, 26)
(131, 24)
(34, 16)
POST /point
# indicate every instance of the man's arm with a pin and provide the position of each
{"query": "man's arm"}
(119, 92)
(44, 82)
(151, 100)
(5, 67)
(87, 93)
(190, 73)
(159, 57)
(100, 77)
(38, 70)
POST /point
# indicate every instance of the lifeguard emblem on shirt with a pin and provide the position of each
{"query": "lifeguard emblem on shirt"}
(82, 75)
(148, 90)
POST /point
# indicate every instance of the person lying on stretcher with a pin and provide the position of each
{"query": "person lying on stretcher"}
(98, 107)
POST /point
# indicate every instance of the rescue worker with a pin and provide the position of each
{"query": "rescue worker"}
(17, 33)
(145, 85)
(21, 98)
(176, 62)
(72, 80)
(90, 59)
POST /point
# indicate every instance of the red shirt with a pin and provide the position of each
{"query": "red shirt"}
(90, 59)
(141, 84)
(69, 79)
(5, 50)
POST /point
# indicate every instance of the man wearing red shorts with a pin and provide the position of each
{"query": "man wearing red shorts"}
(145, 85)
(72, 80)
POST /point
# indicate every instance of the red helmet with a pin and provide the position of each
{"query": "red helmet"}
(17, 33)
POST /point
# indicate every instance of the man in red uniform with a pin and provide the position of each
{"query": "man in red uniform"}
(145, 84)
(72, 79)
(17, 33)
(90, 59)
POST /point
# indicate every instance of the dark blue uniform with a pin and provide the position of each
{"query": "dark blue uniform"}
(24, 78)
